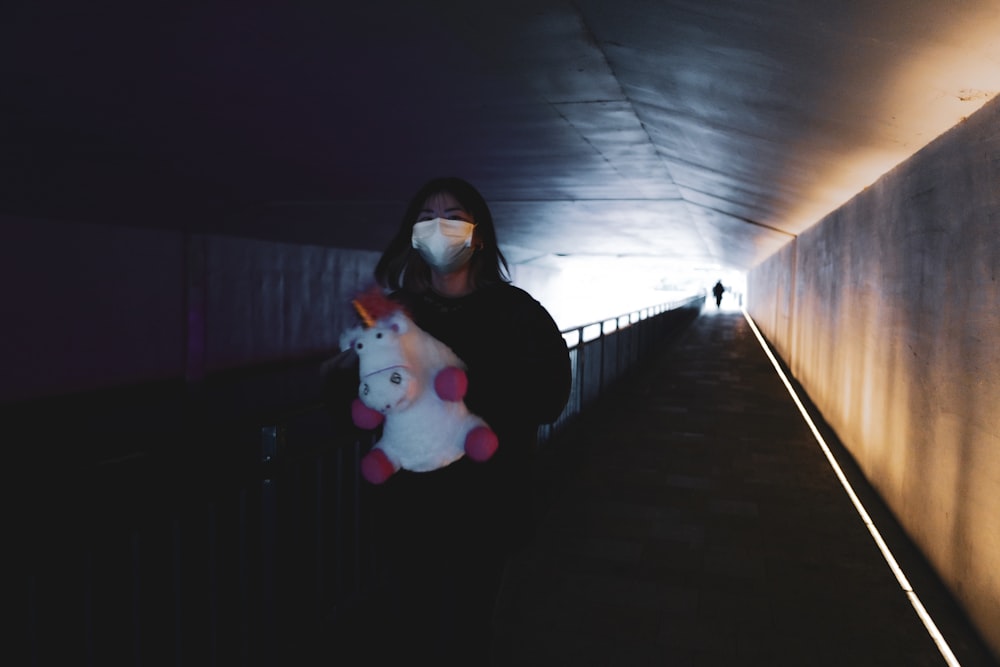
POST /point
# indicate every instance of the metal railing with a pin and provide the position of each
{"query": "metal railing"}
(235, 559)
(604, 350)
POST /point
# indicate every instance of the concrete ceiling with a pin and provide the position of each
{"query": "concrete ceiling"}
(679, 132)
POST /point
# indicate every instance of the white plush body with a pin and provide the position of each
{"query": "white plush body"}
(398, 365)
(429, 435)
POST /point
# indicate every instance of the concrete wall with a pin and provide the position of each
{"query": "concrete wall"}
(888, 313)
(91, 306)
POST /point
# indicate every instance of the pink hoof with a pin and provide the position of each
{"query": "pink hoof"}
(376, 467)
(364, 417)
(451, 384)
(480, 443)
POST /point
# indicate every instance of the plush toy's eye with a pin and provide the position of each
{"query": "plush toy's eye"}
(364, 389)
(378, 335)
(396, 378)
(359, 346)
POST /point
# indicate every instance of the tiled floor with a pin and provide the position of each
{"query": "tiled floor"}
(700, 524)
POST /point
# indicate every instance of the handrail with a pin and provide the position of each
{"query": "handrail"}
(646, 311)
(601, 359)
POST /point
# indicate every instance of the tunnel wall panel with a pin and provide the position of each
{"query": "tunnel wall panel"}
(893, 332)
(78, 300)
(89, 306)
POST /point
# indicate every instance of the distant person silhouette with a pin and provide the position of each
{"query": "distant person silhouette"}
(717, 291)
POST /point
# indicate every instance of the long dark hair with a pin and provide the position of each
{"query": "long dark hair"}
(402, 267)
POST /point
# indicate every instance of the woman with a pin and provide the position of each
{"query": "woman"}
(449, 532)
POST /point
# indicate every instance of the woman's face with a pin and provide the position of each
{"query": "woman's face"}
(443, 205)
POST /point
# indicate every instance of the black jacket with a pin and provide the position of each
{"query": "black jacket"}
(519, 375)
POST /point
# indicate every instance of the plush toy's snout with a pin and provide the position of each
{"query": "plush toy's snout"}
(388, 389)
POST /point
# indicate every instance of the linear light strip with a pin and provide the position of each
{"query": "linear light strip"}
(925, 617)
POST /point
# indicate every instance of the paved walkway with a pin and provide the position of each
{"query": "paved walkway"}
(699, 524)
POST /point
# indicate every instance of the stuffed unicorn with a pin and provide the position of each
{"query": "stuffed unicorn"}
(415, 385)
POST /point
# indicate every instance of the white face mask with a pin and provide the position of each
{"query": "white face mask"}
(444, 244)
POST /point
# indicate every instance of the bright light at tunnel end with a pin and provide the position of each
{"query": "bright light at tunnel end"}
(918, 606)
